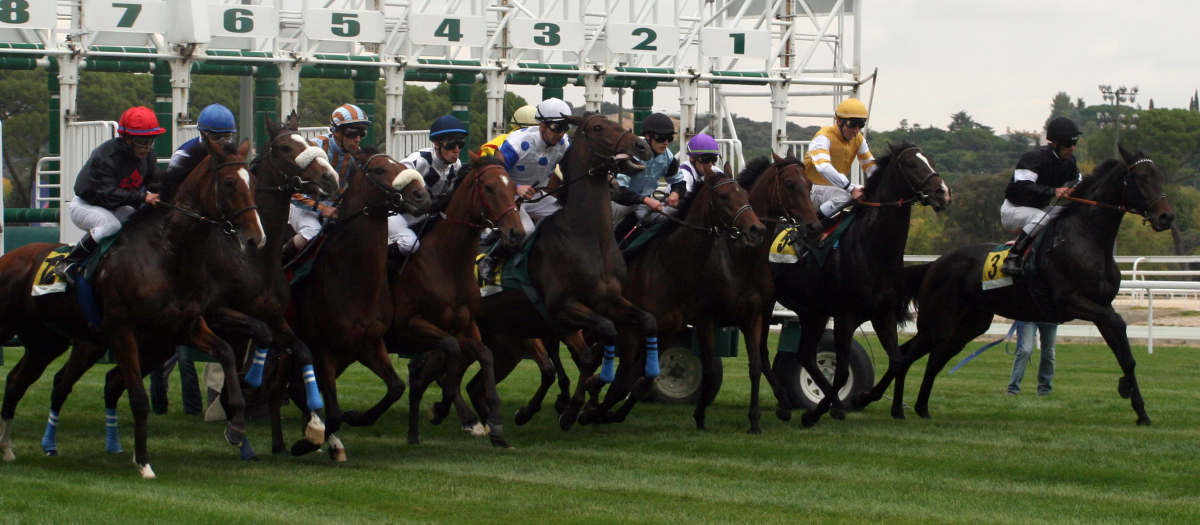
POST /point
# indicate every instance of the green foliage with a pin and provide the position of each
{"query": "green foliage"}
(971, 150)
(962, 120)
(23, 105)
(1170, 136)
(1135, 238)
(105, 96)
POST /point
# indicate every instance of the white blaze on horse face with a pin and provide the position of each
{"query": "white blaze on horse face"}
(926, 161)
(245, 175)
(504, 179)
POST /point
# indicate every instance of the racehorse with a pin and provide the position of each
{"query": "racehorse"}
(574, 264)
(862, 279)
(1075, 277)
(342, 307)
(152, 288)
(736, 285)
(291, 165)
(661, 280)
(436, 295)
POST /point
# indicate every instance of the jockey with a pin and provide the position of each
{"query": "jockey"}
(636, 194)
(347, 127)
(525, 117)
(112, 183)
(439, 166)
(831, 153)
(1041, 175)
(216, 124)
(702, 149)
(530, 157)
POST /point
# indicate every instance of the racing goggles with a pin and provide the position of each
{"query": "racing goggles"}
(855, 123)
(558, 126)
(354, 133)
(220, 138)
(706, 159)
(144, 142)
(1067, 142)
(453, 144)
(665, 139)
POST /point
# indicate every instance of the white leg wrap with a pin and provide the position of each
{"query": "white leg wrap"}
(315, 431)
(6, 440)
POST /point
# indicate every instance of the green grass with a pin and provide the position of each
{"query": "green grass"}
(1072, 457)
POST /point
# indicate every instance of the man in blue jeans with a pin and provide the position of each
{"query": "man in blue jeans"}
(1025, 337)
(193, 404)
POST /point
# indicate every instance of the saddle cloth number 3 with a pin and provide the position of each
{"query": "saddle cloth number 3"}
(992, 276)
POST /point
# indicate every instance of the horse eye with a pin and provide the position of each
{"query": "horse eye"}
(489, 189)
(229, 183)
(791, 184)
(285, 149)
(379, 171)
(725, 196)
(598, 128)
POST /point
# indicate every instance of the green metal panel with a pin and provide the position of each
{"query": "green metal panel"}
(18, 236)
(31, 214)
(789, 337)
(725, 341)
(162, 108)
(266, 102)
(52, 122)
(643, 101)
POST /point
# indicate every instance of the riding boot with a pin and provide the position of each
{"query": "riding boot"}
(488, 265)
(293, 247)
(1016, 254)
(66, 269)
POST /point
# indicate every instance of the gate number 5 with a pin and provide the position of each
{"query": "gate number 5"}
(345, 25)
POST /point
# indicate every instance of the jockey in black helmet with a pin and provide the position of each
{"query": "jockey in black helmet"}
(637, 191)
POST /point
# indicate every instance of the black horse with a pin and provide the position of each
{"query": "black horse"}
(862, 279)
(1075, 277)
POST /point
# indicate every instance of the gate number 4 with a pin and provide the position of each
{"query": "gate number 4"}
(449, 29)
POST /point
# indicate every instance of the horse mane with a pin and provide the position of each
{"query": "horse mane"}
(489, 160)
(881, 163)
(757, 167)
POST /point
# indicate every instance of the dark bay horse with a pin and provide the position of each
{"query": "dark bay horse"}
(154, 287)
(736, 288)
(862, 280)
(436, 295)
(1076, 278)
(664, 276)
(575, 265)
(343, 307)
(260, 291)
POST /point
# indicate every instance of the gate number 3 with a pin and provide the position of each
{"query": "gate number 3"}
(549, 36)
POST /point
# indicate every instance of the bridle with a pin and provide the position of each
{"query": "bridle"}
(485, 208)
(292, 183)
(729, 228)
(1130, 187)
(392, 204)
(777, 196)
(917, 196)
(225, 222)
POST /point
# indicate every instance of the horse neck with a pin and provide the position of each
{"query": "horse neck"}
(587, 208)
(273, 209)
(689, 244)
(454, 243)
(763, 202)
(883, 230)
(1094, 226)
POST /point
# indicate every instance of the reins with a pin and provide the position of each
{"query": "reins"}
(731, 229)
(225, 223)
(1123, 209)
(917, 195)
(391, 205)
(777, 195)
(292, 183)
(477, 195)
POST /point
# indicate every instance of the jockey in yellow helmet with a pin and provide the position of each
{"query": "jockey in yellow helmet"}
(831, 154)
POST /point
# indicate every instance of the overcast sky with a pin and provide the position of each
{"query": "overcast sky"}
(1003, 62)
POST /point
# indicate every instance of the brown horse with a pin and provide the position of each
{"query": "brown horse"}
(153, 288)
(436, 295)
(661, 281)
(574, 264)
(342, 307)
(737, 289)
(261, 290)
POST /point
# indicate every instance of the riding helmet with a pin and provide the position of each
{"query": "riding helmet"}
(139, 121)
(851, 108)
(346, 115)
(215, 118)
(445, 126)
(525, 117)
(552, 109)
(1062, 128)
(703, 144)
(658, 123)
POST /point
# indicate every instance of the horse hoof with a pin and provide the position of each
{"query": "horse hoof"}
(9, 456)
(234, 435)
(499, 442)
(808, 420)
(523, 416)
(303, 447)
(337, 452)
(784, 414)
(837, 414)
(278, 448)
(923, 412)
(145, 470)
(314, 432)
(414, 440)
(1123, 388)
(586, 417)
(1143, 421)
(51, 452)
(561, 403)
(898, 414)
(566, 421)
(754, 429)
(436, 414)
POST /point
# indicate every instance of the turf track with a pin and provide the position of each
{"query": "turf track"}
(1072, 457)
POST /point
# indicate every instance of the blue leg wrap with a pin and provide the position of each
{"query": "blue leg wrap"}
(247, 452)
(112, 439)
(310, 386)
(651, 357)
(254, 375)
(50, 440)
(607, 373)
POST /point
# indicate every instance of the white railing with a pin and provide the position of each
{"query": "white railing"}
(1149, 287)
(42, 184)
(403, 143)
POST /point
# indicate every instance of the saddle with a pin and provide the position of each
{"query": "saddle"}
(790, 246)
(45, 281)
(512, 273)
(639, 238)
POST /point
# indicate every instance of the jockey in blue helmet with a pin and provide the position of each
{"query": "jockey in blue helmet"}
(216, 124)
(439, 165)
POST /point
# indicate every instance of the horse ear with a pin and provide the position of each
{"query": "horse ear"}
(791, 153)
(1125, 154)
(727, 169)
(272, 127)
(244, 148)
(575, 120)
(473, 156)
(293, 121)
(776, 156)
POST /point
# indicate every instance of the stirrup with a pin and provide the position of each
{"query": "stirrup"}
(1012, 266)
(64, 272)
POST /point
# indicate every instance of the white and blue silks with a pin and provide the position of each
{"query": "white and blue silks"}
(530, 162)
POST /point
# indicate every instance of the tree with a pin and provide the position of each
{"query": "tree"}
(1060, 106)
(23, 105)
(962, 120)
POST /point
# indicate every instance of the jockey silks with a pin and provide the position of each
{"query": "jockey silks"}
(643, 184)
(113, 176)
(183, 161)
(830, 157)
(1038, 174)
(528, 159)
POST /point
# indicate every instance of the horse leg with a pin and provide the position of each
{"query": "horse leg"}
(752, 332)
(322, 376)
(812, 328)
(506, 362)
(38, 355)
(495, 421)
(626, 379)
(301, 359)
(83, 356)
(230, 320)
(575, 313)
(278, 392)
(783, 405)
(968, 328)
(114, 388)
(378, 362)
(206, 341)
(564, 381)
(125, 349)
(421, 373)
(910, 352)
(708, 388)
(1112, 327)
(885, 330)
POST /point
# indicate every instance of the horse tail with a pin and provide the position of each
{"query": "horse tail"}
(913, 276)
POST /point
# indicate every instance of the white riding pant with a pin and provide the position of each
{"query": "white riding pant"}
(643, 212)
(401, 235)
(306, 222)
(1024, 218)
(536, 211)
(99, 222)
(828, 199)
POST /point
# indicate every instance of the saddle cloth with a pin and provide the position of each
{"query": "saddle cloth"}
(992, 276)
(45, 281)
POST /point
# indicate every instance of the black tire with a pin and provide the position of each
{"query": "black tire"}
(803, 391)
(680, 376)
